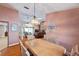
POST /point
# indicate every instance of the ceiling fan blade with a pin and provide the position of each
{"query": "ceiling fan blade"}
(26, 7)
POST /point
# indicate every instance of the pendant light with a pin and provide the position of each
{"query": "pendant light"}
(35, 21)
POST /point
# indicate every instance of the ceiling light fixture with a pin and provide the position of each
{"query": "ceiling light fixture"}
(35, 20)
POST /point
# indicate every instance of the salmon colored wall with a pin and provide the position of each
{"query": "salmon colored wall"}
(66, 32)
(11, 16)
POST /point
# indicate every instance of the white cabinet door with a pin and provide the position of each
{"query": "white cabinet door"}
(3, 42)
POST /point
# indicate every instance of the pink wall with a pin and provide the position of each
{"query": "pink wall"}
(11, 16)
(66, 32)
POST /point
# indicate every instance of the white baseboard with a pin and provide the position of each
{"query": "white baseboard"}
(14, 44)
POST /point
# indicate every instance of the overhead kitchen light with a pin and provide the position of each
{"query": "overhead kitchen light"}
(35, 19)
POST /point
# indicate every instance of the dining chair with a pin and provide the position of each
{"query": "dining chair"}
(24, 50)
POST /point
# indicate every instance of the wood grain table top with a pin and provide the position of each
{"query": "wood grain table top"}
(41, 47)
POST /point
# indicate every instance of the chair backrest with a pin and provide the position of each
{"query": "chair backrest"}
(26, 51)
(74, 51)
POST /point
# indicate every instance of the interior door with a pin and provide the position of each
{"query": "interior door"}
(3, 35)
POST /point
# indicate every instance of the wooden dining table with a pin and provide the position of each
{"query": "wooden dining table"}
(40, 47)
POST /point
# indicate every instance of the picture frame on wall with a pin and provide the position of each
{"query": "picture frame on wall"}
(51, 26)
(14, 27)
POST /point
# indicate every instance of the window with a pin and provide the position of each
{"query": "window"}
(28, 30)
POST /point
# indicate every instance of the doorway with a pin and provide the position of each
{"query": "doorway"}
(3, 34)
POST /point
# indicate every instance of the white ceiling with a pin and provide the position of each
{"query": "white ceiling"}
(41, 8)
